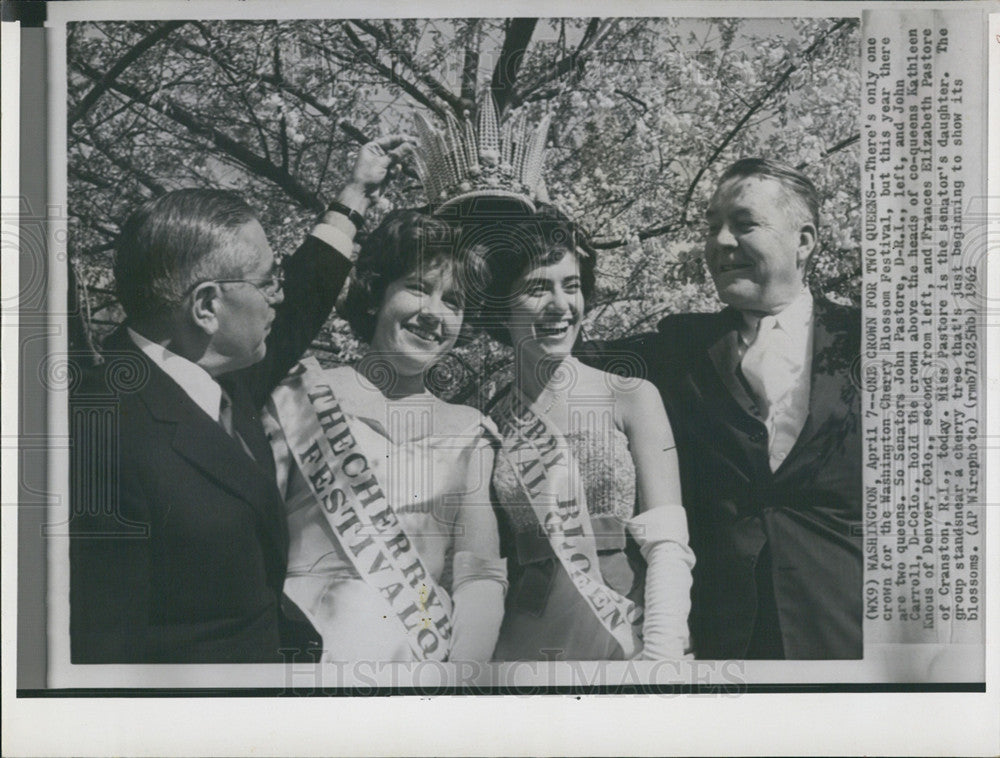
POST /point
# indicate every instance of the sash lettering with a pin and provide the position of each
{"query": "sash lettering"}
(549, 477)
(337, 470)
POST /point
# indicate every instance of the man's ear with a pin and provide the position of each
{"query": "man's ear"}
(807, 244)
(204, 307)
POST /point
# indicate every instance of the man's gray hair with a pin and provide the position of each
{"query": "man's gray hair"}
(797, 185)
(171, 243)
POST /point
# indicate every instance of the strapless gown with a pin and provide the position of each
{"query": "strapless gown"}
(545, 616)
(424, 482)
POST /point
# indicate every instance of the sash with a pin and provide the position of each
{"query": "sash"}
(337, 471)
(549, 477)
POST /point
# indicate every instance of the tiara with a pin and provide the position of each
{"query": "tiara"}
(461, 162)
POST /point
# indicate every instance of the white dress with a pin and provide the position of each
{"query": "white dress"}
(426, 481)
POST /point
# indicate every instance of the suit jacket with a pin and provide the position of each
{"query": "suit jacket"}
(801, 523)
(178, 538)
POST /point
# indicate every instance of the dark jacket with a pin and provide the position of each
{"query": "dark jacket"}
(800, 526)
(179, 540)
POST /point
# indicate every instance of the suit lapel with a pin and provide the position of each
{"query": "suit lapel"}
(202, 441)
(715, 386)
(206, 445)
(725, 357)
(246, 421)
(712, 383)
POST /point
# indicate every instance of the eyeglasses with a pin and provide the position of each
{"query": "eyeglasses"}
(269, 287)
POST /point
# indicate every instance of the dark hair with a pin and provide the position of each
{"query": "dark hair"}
(797, 185)
(406, 241)
(173, 241)
(517, 244)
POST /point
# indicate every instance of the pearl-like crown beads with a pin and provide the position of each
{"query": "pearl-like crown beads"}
(460, 162)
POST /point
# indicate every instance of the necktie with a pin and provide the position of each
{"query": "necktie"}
(767, 365)
(226, 422)
(226, 413)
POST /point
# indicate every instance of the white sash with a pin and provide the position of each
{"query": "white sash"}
(550, 479)
(338, 474)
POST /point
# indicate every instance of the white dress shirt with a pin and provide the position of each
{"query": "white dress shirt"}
(780, 371)
(192, 378)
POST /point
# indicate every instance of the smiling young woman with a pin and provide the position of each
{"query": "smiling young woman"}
(546, 307)
(587, 479)
(394, 547)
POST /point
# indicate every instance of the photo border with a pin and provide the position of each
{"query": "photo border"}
(826, 695)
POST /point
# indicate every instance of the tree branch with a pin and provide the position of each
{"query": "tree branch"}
(124, 165)
(435, 86)
(236, 150)
(597, 31)
(835, 149)
(227, 70)
(101, 182)
(282, 121)
(758, 104)
(408, 87)
(470, 68)
(657, 231)
(515, 43)
(633, 99)
(123, 63)
(97, 225)
(354, 133)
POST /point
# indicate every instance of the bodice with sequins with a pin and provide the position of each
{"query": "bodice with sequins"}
(608, 477)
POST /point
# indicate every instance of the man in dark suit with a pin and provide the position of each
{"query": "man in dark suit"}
(766, 418)
(178, 536)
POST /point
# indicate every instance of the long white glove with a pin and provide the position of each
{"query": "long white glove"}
(661, 534)
(478, 590)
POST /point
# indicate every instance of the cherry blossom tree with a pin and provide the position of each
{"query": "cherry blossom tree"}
(646, 113)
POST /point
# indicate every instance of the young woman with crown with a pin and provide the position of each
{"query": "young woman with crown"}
(393, 541)
(587, 477)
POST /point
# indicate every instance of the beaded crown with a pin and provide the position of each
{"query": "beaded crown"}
(461, 162)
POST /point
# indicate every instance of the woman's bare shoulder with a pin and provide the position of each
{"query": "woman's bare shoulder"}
(621, 388)
(634, 396)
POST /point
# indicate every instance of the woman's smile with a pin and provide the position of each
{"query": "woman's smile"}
(424, 330)
(555, 329)
(548, 306)
(419, 319)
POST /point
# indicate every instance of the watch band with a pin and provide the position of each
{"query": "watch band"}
(352, 215)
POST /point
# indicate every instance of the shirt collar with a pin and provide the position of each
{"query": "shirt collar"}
(795, 319)
(192, 378)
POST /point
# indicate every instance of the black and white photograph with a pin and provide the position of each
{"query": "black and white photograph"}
(598, 474)
(504, 356)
